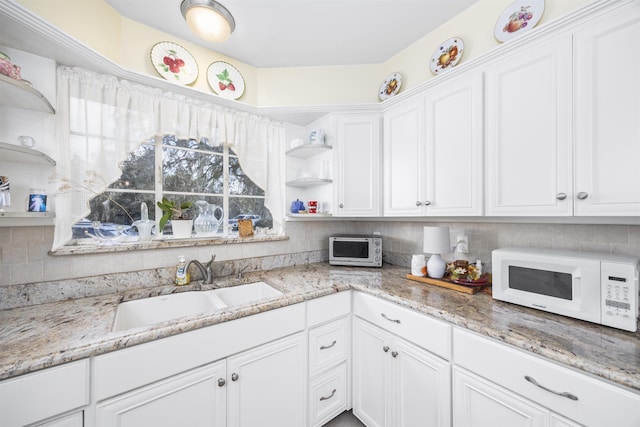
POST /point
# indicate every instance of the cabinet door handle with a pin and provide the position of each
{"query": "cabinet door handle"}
(427, 202)
(324, 347)
(234, 377)
(389, 319)
(385, 348)
(582, 195)
(561, 196)
(559, 393)
(394, 354)
(418, 203)
(328, 397)
(341, 205)
(221, 382)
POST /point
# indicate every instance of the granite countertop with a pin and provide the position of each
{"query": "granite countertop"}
(45, 335)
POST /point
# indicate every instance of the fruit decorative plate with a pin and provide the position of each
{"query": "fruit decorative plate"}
(225, 80)
(174, 63)
(390, 86)
(464, 281)
(518, 18)
(447, 55)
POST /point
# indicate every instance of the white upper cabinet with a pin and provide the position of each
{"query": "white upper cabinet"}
(454, 159)
(358, 164)
(607, 100)
(528, 119)
(433, 151)
(404, 158)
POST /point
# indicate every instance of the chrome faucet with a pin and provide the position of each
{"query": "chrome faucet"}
(207, 272)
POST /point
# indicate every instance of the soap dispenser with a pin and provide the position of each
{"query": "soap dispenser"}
(182, 275)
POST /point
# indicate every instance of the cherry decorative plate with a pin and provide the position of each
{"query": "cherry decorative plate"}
(174, 63)
(390, 86)
(520, 17)
(225, 80)
(447, 55)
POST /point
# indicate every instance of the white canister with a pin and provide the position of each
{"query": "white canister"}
(418, 262)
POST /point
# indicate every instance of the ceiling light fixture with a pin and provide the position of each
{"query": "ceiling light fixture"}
(209, 19)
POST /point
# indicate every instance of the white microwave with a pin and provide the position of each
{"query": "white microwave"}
(598, 288)
(355, 250)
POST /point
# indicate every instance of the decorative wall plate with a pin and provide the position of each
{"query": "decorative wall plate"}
(225, 80)
(518, 18)
(390, 86)
(447, 55)
(174, 63)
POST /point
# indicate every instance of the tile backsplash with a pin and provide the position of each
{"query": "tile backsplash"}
(24, 254)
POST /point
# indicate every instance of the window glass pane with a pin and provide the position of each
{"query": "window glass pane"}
(138, 170)
(171, 140)
(249, 208)
(109, 208)
(191, 171)
(239, 183)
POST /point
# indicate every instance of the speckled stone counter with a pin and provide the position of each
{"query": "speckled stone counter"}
(45, 335)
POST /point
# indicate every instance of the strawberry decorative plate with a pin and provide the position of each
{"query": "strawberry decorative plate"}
(174, 63)
(225, 80)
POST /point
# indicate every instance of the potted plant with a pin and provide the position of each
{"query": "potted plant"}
(180, 216)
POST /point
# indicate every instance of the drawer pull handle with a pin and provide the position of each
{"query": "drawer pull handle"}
(328, 397)
(563, 394)
(324, 347)
(389, 319)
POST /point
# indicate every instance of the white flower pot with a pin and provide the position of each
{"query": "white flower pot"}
(182, 228)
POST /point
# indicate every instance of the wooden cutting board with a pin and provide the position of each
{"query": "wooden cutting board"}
(444, 283)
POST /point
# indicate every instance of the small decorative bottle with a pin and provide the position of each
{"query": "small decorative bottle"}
(182, 275)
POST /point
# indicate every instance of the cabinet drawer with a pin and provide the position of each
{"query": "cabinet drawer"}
(324, 309)
(509, 367)
(328, 396)
(429, 333)
(328, 345)
(40, 395)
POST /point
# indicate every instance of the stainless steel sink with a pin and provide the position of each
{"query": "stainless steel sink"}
(148, 311)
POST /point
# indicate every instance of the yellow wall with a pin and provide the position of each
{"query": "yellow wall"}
(126, 42)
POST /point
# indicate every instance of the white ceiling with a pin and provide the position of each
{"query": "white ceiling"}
(295, 33)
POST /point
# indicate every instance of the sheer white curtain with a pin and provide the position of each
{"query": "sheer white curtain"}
(101, 119)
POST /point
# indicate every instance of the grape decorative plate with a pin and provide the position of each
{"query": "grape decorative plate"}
(225, 80)
(446, 56)
(390, 86)
(174, 63)
(520, 17)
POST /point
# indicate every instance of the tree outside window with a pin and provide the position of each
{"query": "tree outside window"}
(191, 171)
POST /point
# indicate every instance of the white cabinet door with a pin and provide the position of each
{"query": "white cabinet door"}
(396, 383)
(370, 377)
(421, 387)
(358, 160)
(196, 398)
(528, 120)
(454, 139)
(607, 103)
(404, 159)
(480, 403)
(267, 385)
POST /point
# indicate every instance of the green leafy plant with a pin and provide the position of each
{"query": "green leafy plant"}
(173, 210)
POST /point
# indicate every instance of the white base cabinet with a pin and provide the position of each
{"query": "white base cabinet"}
(197, 398)
(400, 373)
(267, 385)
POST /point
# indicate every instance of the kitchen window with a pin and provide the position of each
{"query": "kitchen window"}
(191, 171)
(109, 162)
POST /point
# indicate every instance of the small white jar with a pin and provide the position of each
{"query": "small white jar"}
(418, 262)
